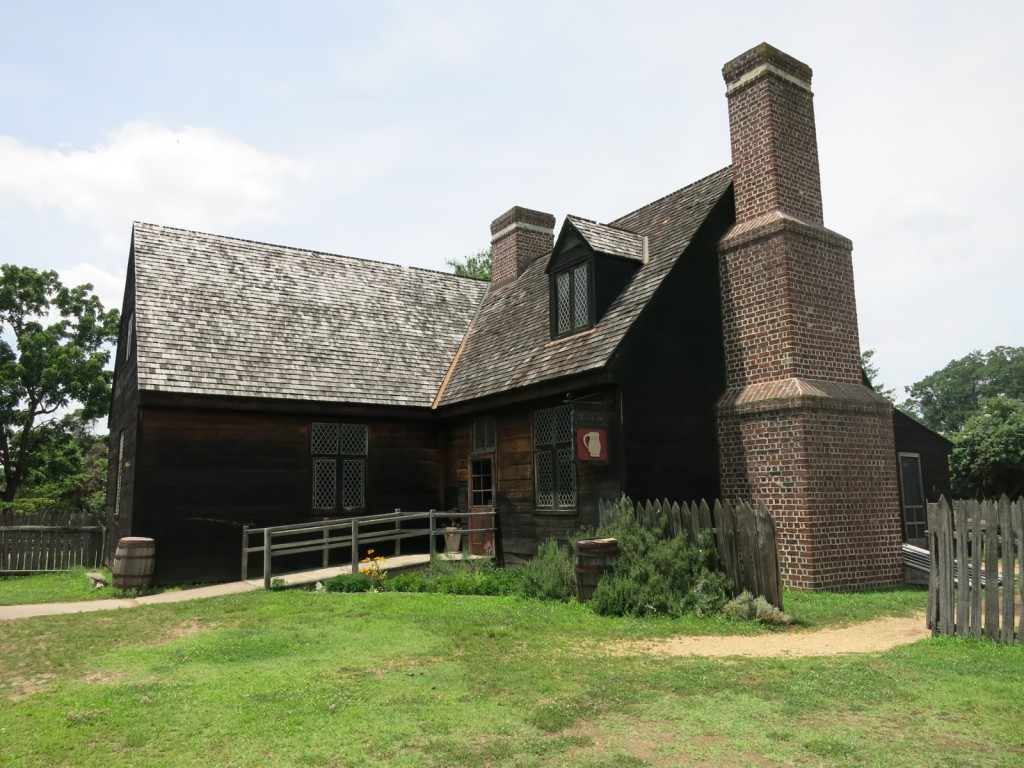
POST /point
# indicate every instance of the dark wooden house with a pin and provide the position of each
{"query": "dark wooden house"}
(259, 384)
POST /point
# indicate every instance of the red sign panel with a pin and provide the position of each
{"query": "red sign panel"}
(591, 443)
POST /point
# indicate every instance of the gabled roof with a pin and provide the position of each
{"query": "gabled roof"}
(509, 346)
(221, 316)
(606, 239)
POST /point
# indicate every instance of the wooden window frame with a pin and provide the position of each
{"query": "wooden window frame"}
(559, 454)
(346, 463)
(570, 273)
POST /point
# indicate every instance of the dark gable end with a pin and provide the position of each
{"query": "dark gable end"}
(509, 344)
(226, 317)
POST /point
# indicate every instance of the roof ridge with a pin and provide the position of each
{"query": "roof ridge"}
(602, 224)
(295, 249)
(692, 184)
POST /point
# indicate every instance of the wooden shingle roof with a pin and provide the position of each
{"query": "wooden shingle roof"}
(609, 240)
(508, 346)
(221, 316)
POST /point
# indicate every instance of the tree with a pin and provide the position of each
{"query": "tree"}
(946, 399)
(69, 469)
(52, 356)
(871, 371)
(988, 454)
(476, 265)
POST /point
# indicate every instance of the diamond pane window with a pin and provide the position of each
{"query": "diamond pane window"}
(562, 290)
(581, 312)
(544, 427)
(566, 478)
(353, 439)
(324, 439)
(483, 433)
(324, 483)
(338, 484)
(352, 483)
(545, 479)
(553, 458)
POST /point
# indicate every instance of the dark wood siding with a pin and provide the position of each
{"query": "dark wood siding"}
(124, 414)
(521, 525)
(672, 372)
(203, 474)
(934, 449)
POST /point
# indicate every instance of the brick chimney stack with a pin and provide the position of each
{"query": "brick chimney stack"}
(518, 237)
(796, 427)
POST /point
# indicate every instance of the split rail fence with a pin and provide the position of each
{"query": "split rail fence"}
(745, 536)
(975, 587)
(350, 535)
(50, 542)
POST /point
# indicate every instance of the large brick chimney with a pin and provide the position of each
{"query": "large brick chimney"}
(518, 237)
(797, 428)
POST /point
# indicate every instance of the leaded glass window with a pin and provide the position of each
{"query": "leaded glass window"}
(553, 458)
(563, 287)
(339, 483)
(572, 300)
(352, 483)
(483, 434)
(325, 483)
(580, 300)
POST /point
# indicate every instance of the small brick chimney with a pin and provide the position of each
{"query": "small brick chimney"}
(797, 429)
(518, 237)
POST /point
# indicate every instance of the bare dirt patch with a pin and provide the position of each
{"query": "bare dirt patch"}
(867, 637)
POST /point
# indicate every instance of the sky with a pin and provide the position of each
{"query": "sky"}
(398, 131)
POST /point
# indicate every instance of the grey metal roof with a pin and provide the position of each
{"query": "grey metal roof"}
(221, 316)
(509, 346)
(603, 238)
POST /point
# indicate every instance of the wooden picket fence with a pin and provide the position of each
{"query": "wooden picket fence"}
(975, 587)
(50, 542)
(745, 536)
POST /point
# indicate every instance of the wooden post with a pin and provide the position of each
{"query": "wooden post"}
(398, 528)
(433, 534)
(326, 551)
(355, 544)
(267, 539)
(245, 552)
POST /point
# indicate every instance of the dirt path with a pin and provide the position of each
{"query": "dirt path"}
(877, 635)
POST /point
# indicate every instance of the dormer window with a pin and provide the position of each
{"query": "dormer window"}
(573, 299)
(590, 265)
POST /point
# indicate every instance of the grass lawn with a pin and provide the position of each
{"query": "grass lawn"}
(57, 587)
(313, 679)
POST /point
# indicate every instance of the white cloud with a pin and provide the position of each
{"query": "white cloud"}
(108, 287)
(193, 177)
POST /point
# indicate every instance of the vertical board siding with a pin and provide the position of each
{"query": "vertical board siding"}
(975, 585)
(744, 536)
(50, 542)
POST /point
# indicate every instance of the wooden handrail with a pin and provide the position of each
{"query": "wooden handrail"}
(322, 536)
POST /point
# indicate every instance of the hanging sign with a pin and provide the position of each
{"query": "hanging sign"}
(591, 428)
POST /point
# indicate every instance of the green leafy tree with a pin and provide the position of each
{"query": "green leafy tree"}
(476, 265)
(988, 453)
(53, 356)
(946, 399)
(867, 362)
(69, 469)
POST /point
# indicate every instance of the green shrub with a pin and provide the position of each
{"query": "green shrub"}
(748, 608)
(658, 574)
(351, 582)
(550, 574)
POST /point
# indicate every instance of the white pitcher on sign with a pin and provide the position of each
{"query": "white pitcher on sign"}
(592, 442)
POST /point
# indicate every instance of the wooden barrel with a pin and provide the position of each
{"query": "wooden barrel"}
(594, 557)
(133, 562)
